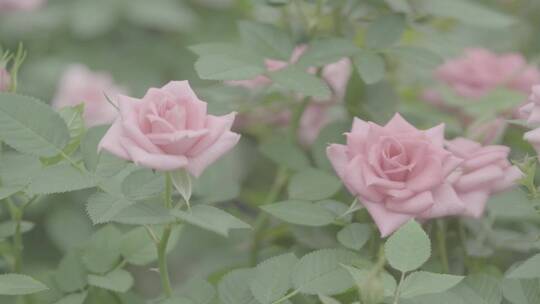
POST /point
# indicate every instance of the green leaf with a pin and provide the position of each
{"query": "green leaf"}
(332, 133)
(467, 12)
(13, 284)
(363, 277)
(102, 252)
(422, 282)
(73, 117)
(228, 67)
(529, 269)
(211, 219)
(144, 213)
(31, 126)
(272, 278)
(408, 248)
(300, 213)
(143, 184)
(325, 51)
(71, 273)
(199, 291)
(385, 31)
(118, 280)
(138, 248)
(328, 300)
(354, 236)
(479, 288)
(521, 291)
(76, 298)
(416, 57)
(266, 39)
(234, 287)
(8, 228)
(102, 164)
(300, 81)
(370, 66)
(320, 272)
(215, 48)
(60, 178)
(284, 152)
(103, 207)
(313, 184)
(177, 300)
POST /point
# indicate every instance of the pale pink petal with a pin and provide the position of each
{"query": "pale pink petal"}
(224, 144)
(111, 143)
(217, 126)
(475, 202)
(511, 176)
(413, 206)
(337, 154)
(479, 178)
(386, 220)
(160, 162)
(447, 203)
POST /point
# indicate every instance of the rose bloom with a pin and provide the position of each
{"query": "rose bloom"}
(169, 129)
(397, 171)
(480, 71)
(20, 5)
(531, 110)
(315, 116)
(484, 171)
(80, 85)
(5, 80)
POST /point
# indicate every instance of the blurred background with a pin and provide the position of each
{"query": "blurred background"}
(144, 43)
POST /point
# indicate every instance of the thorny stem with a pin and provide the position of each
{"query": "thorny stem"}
(162, 244)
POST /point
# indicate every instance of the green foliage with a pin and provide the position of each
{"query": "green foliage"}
(71, 274)
(210, 218)
(300, 81)
(421, 282)
(266, 40)
(138, 248)
(76, 298)
(8, 228)
(313, 184)
(529, 269)
(385, 31)
(31, 127)
(354, 236)
(326, 51)
(272, 278)
(18, 284)
(301, 213)
(60, 178)
(234, 287)
(408, 248)
(143, 184)
(521, 291)
(117, 280)
(102, 252)
(321, 272)
(284, 152)
(370, 65)
(103, 207)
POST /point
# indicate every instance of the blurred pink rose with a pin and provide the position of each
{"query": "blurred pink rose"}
(20, 5)
(5, 80)
(485, 171)
(169, 129)
(480, 71)
(531, 110)
(533, 137)
(80, 85)
(397, 171)
(315, 117)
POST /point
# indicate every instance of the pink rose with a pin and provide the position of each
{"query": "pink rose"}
(533, 137)
(485, 171)
(20, 5)
(5, 80)
(480, 71)
(397, 171)
(80, 85)
(531, 110)
(169, 129)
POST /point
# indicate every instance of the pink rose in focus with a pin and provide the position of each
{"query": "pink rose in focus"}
(5, 80)
(169, 129)
(480, 71)
(80, 85)
(531, 110)
(485, 171)
(397, 171)
(20, 5)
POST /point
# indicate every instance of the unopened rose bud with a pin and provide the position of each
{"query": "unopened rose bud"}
(5, 80)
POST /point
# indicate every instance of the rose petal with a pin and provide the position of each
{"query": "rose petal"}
(198, 163)
(217, 126)
(387, 221)
(479, 178)
(414, 205)
(161, 162)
